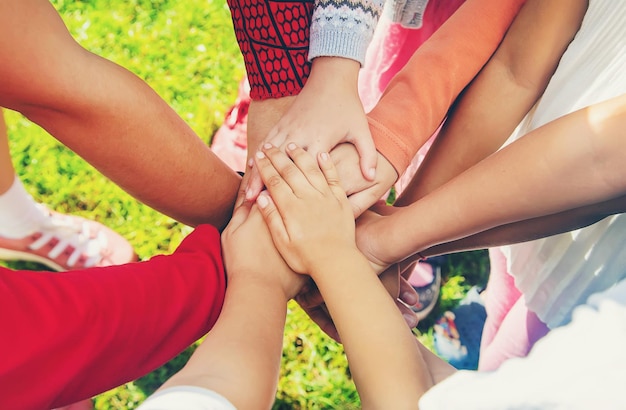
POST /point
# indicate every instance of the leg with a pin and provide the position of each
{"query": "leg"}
(29, 231)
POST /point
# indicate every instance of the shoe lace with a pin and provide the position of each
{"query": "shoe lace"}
(71, 234)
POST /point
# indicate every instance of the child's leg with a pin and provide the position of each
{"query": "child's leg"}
(72, 335)
(29, 231)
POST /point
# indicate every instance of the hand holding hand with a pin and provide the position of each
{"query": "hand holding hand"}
(327, 112)
(362, 193)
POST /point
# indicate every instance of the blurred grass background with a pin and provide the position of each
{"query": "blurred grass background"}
(187, 52)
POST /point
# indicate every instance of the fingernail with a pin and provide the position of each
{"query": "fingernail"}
(248, 194)
(324, 156)
(267, 145)
(409, 298)
(250, 163)
(262, 201)
(291, 146)
(260, 155)
(371, 173)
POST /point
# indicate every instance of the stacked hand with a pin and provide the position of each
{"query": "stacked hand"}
(311, 220)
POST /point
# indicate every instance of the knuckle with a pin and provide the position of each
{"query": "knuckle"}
(273, 181)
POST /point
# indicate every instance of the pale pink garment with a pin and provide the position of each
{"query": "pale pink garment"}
(511, 329)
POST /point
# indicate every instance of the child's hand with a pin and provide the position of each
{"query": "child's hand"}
(249, 252)
(327, 112)
(306, 210)
(362, 193)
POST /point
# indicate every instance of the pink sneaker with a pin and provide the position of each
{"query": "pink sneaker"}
(66, 242)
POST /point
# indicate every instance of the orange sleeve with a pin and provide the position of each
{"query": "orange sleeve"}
(418, 98)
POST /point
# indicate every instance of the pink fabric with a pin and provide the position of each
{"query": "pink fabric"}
(391, 48)
(393, 45)
(510, 329)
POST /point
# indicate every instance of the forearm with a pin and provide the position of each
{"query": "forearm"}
(134, 138)
(571, 162)
(531, 229)
(500, 96)
(110, 117)
(228, 361)
(419, 97)
(375, 337)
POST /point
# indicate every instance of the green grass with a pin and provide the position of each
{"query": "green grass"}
(187, 52)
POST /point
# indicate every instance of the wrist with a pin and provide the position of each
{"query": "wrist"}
(338, 263)
(338, 69)
(253, 281)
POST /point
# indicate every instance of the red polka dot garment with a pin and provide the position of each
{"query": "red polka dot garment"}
(274, 39)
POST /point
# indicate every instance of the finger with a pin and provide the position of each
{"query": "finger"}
(408, 294)
(322, 318)
(391, 280)
(288, 170)
(241, 193)
(363, 200)
(367, 152)
(309, 167)
(279, 190)
(273, 219)
(331, 175)
(240, 214)
(277, 137)
(254, 183)
(407, 313)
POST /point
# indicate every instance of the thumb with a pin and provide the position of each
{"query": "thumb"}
(332, 176)
(254, 184)
(367, 152)
(240, 214)
(272, 218)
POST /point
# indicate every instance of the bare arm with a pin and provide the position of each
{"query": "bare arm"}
(501, 95)
(419, 97)
(227, 362)
(110, 117)
(534, 228)
(572, 162)
(313, 227)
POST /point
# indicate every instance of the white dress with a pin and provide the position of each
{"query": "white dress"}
(556, 274)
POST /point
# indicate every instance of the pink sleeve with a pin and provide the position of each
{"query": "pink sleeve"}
(71, 335)
(417, 100)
